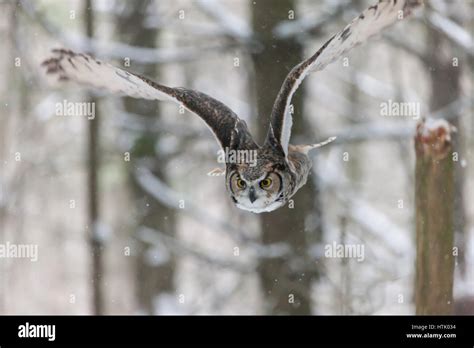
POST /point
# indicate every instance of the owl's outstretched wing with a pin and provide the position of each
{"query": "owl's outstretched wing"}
(228, 128)
(370, 22)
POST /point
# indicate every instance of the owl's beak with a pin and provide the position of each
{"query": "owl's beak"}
(252, 196)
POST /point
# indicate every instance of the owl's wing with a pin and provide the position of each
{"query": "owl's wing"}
(370, 22)
(228, 128)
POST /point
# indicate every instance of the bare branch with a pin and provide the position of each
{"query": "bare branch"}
(232, 26)
(407, 46)
(452, 31)
(375, 131)
(119, 50)
(376, 224)
(395, 131)
(309, 25)
(372, 87)
(164, 194)
(156, 237)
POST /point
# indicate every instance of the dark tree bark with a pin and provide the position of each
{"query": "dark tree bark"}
(151, 279)
(445, 77)
(95, 242)
(434, 189)
(445, 89)
(440, 212)
(286, 281)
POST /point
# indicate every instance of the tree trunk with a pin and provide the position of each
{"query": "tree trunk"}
(152, 279)
(434, 189)
(286, 281)
(95, 242)
(440, 215)
(445, 76)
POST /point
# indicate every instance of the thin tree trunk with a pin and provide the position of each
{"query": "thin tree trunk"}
(445, 77)
(440, 215)
(95, 242)
(152, 279)
(434, 189)
(286, 281)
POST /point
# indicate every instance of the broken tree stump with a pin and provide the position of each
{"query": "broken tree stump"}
(434, 190)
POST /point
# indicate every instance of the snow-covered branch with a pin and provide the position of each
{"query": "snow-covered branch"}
(165, 195)
(231, 25)
(118, 50)
(376, 224)
(156, 237)
(394, 130)
(288, 29)
(453, 31)
(407, 46)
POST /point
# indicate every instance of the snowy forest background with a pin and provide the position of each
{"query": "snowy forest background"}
(114, 241)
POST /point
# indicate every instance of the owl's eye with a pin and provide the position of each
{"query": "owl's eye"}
(241, 184)
(266, 183)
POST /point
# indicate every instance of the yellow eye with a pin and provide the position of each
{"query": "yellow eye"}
(241, 184)
(266, 183)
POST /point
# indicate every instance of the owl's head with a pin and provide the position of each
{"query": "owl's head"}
(259, 188)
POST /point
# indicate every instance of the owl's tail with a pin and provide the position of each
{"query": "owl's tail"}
(306, 148)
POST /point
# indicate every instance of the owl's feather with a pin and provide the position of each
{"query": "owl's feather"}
(228, 128)
(370, 22)
(306, 148)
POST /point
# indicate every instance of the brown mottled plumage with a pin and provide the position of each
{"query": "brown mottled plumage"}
(279, 169)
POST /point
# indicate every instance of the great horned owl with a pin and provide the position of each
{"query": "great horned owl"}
(280, 168)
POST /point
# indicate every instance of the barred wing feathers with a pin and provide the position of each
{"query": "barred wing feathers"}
(370, 22)
(80, 68)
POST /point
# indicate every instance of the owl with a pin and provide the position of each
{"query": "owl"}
(259, 178)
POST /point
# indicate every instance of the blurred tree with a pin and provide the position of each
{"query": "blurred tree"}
(440, 215)
(445, 66)
(152, 279)
(434, 196)
(93, 194)
(286, 280)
